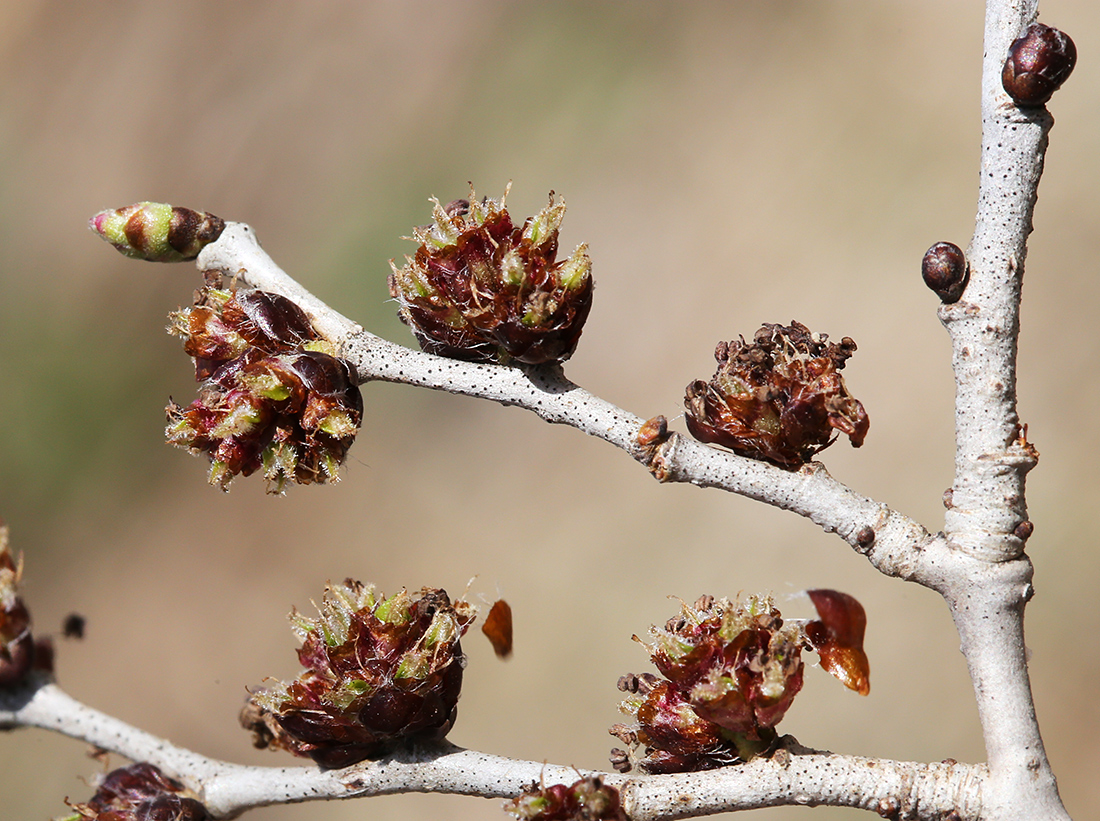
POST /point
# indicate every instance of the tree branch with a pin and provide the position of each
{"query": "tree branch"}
(793, 775)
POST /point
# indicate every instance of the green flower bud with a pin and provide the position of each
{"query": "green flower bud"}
(157, 232)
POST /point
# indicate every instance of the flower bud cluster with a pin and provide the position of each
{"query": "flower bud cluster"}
(20, 653)
(731, 670)
(779, 398)
(156, 231)
(380, 673)
(587, 799)
(140, 792)
(271, 393)
(480, 288)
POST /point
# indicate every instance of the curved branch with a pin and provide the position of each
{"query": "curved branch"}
(793, 776)
(894, 544)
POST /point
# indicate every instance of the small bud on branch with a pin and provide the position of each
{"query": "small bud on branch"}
(1038, 62)
(157, 232)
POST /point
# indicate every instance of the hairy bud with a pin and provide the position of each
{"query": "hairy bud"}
(1038, 63)
(157, 232)
(381, 673)
(779, 398)
(480, 288)
(140, 792)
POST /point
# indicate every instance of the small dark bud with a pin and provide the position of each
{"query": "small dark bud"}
(140, 792)
(1023, 531)
(866, 537)
(945, 270)
(1037, 65)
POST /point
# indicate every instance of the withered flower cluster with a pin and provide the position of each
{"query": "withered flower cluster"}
(731, 671)
(587, 799)
(381, 673)
(20, 653)
(779, 398)
(271, 393)
(139, 792)
(480, 288)
(156, 231)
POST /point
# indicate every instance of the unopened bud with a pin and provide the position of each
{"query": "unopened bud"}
(945, 270)
(156, 231)
(1037, 65)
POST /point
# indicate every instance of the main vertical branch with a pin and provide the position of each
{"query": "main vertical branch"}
(986, 518)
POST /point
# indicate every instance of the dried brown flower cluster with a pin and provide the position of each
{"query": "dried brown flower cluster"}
(780, 398)
(731, 672)
(272, 395)
(140, 792)
(380, 673)
(482, 289)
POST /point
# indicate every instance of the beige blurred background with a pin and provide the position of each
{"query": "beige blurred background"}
(728, 163)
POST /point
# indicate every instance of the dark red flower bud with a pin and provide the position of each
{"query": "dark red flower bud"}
(587, 799)
(380, 673)
(482, 289)
(157, 232)
(141, 792)
(271, 397)
(780, 398)
(1037, 65)
(945, 270)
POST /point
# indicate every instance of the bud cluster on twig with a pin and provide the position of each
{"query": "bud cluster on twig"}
(380, 673)
(731, 670)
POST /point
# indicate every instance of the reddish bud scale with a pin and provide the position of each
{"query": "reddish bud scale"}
(480, 288)
(267, 399)
(779, 399)
(141, 792)
(1038, 63)
(380, 674)
(838, 638)
(587, 799)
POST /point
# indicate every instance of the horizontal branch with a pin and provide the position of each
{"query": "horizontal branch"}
(894, 544)
(793, 776)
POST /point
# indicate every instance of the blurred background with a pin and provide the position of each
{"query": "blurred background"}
(729, 163)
